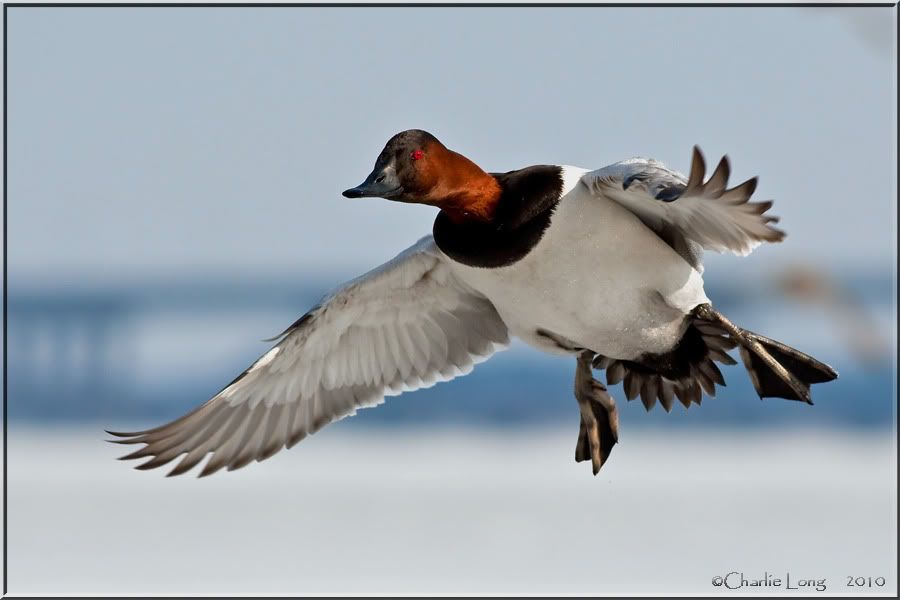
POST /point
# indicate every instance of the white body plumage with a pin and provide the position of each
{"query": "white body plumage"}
(598, 278)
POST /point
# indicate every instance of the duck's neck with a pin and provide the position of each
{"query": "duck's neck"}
(465, 193)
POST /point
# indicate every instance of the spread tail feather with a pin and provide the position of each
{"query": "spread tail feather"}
(684, 373)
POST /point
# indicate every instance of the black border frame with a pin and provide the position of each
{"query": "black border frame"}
(7, 5)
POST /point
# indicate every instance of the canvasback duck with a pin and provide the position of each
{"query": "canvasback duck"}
(604, 265)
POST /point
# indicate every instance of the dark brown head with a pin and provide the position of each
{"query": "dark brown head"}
(415, 167)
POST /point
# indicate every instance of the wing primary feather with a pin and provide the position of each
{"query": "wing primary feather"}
(203, 443)
(719, 179)
(698, 171)
(222, 454)
(244, 451)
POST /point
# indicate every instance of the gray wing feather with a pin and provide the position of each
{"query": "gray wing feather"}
(686, 212)
(406, 325)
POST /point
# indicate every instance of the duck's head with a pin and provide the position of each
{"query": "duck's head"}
(416, 167)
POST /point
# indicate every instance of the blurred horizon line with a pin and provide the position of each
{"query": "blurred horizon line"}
(262, 272)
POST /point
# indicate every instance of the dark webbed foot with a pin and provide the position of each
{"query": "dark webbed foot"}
(776, 369)
(599, 429)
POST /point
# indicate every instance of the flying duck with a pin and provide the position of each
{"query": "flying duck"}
(603, 265)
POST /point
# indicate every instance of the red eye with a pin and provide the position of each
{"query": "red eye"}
(417, 155)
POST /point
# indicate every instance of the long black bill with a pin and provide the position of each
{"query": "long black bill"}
(381, 183)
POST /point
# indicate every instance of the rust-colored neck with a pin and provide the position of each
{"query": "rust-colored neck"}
(459, 187)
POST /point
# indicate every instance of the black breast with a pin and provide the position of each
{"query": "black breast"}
(523, 213)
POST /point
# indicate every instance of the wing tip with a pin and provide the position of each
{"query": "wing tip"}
(698, 169)
(207, 471)
(176, 471)
(131, 437)
(139, 453)
(123, 434)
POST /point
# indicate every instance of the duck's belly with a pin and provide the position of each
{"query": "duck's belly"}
(598, 278)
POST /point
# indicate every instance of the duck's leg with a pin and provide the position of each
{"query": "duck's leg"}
(599, 417)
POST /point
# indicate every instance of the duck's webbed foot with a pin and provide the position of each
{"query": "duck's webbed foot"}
(599, 430)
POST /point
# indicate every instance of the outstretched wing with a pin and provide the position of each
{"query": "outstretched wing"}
(708, 214)
(405, 325)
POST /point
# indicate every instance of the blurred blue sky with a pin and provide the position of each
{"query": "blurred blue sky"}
(148, 142)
